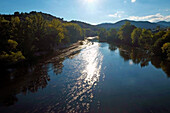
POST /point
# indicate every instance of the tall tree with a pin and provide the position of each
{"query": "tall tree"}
(102, 34)
(145, 38)
(166, 50)
(112, 35)
(135, 36)
(74, 32)
(125, 32)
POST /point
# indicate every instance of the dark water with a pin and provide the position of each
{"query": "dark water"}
(100, 78)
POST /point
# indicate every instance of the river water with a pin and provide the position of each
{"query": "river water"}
(97, 78)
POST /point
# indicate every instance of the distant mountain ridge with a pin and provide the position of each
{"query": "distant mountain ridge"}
(140, 24)
(164, 23)
(85, 25)
(117, 25)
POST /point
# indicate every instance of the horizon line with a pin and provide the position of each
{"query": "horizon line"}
(91, 23)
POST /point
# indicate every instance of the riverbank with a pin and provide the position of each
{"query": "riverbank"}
(61, 52)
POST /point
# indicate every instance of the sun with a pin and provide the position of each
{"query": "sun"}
(90, 1)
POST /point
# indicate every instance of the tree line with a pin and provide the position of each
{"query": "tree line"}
(23, 37)
(28, 35)
(155, 43)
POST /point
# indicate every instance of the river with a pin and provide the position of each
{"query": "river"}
(96, 78)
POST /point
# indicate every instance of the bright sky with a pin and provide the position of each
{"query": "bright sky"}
(93, 11)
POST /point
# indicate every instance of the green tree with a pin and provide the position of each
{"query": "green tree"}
(135, 36)
(55, 33)
(102, 35)
(4, 33)
(112, 35)
(16, 13)
(157, 35)
(34, 33)
(159, 43)
(12, 44)
(125, 32)
(145, 38)
(16, 29)
(11, 55)
(166, 49)
(74, 32)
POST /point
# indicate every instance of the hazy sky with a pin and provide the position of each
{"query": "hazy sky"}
(93, 11)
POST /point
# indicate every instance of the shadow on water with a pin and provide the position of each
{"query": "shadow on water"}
(141, 57)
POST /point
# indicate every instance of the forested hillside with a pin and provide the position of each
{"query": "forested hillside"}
(24, 36)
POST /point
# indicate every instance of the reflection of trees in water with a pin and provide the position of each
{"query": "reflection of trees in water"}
(165, 67)
(112, 47)
(57, 67)
(30, 79)
(23, 81)
(26, 81)
(136, 55)
(159, 63)
(141, 57)
(75, 53)
(57, 64)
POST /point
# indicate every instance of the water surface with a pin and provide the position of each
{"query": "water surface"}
(97, 78)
